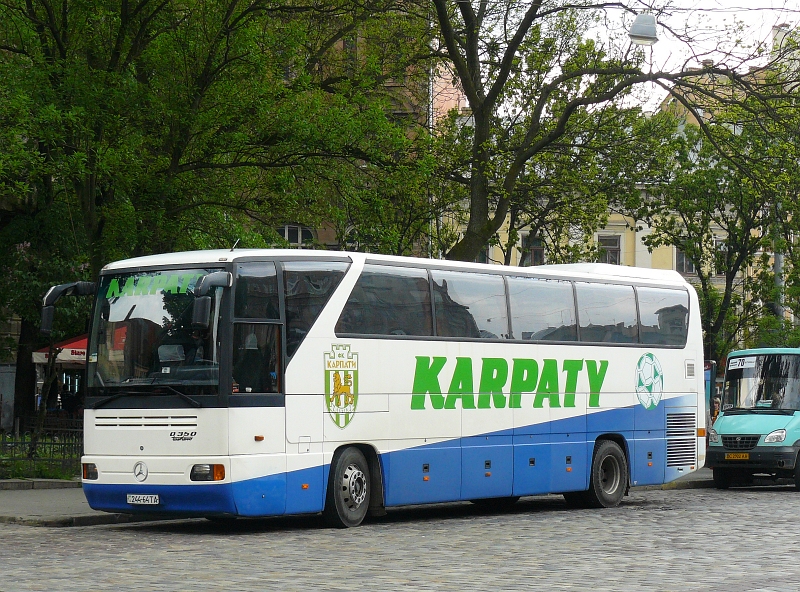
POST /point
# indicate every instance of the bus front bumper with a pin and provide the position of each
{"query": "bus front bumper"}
(760, 458)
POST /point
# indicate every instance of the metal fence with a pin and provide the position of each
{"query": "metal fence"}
(58, 452)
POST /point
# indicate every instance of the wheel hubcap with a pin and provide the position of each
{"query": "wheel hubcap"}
(354, 487)
(609, 475)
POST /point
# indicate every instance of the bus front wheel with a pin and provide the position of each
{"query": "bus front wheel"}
(609, 477)
(348, 494)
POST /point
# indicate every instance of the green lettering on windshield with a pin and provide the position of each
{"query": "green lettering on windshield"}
(113, 289)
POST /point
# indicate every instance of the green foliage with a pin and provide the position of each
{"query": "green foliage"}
(134, 129)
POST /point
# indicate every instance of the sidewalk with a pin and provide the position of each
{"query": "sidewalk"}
(50, 502)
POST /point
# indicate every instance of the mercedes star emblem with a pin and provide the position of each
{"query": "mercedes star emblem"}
(140, 471)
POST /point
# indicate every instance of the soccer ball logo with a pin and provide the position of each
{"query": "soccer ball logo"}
(649, 381)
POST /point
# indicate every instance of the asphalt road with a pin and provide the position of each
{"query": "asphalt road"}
(681, 539)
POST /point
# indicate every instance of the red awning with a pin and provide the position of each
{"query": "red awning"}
(73, 351)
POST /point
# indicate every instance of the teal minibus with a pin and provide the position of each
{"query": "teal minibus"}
(758, 429)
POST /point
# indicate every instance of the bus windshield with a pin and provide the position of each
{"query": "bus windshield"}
(766, 381)
(143, 334)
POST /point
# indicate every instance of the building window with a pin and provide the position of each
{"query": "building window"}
(483, 256)
(683, 264)
(720, 255)
(532, 251)
(609, 249)
(296, 235)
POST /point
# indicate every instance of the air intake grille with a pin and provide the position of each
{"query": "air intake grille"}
(740, 442)
(150, 421)
(681, 439)
(689, 369)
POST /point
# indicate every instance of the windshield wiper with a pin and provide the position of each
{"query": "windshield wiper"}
(183, 396)
(122, 394)
(113, 397)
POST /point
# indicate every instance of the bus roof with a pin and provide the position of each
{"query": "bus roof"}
(573, 270)
(760, 351)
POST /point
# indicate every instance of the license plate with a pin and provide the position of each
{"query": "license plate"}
(737, 456)
(143, 500)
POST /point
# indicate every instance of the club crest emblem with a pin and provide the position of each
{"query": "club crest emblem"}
(341, 384)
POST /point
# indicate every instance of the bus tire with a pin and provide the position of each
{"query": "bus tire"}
(608, 479)
(575, 499)
(722, 477)
(348, 494)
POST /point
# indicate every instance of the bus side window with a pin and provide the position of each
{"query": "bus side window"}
(307, 287)
(664, 316)
(256, 291)
(256, 355)
(607, 313)
(470, 305)
(388, 301)
(542, 309)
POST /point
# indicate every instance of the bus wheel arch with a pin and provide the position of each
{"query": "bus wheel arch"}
(609, 473)
(354, 471)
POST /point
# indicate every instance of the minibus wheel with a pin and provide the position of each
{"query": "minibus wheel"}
(797, 474)
(722, 477)
(348, 494)
(609, 477)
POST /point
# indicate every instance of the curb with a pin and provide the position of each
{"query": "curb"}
(22, 484)
(85, 520)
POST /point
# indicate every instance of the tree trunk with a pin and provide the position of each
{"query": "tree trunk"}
(25, 379)
(50, 383)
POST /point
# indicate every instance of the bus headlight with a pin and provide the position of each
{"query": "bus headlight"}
(207, 473)
(713, 436)
(776, 436)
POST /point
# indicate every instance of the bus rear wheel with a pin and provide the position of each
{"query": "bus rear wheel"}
(609, 477)
(348, 494)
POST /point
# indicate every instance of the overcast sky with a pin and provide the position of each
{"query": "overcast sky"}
(690, 31)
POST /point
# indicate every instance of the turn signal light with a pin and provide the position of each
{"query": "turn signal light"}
(207, 473)
(89, 471)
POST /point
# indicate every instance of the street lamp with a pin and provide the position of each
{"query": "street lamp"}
(643, 29)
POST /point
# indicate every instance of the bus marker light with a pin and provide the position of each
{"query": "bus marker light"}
(488, 474)
(569, 469)
(259, 438)
(701, 432)
(426, 478)
(650, 464)
(304, 486)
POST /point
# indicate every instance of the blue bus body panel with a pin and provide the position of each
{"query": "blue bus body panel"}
(193, 500)
(518, 462)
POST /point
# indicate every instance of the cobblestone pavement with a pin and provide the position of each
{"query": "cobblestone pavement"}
(698, 539)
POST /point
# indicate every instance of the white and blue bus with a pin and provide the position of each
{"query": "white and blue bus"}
(270, 382)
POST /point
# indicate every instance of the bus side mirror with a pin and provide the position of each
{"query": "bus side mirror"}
(56, 292)
(47, 319)
(202, 302)
(201, 312)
